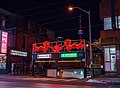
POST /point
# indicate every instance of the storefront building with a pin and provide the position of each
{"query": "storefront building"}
(65, 59)
(109, 41)
(110, 36)
(18, 58)
(17, 46)
(61, 59)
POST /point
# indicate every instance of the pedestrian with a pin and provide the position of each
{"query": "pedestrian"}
(17, 69)
(14, 69)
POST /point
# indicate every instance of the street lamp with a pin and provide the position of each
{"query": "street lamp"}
(90, 40)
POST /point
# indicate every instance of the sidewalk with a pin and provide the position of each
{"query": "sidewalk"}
(105, 80)
(108, 78)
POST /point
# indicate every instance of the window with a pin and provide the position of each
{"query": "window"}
(112, 50)
(10, 23)
(3, 24)
(36, 41)
(107, 54)
(23, 42)
(3, 62)
(107, 23)
(110, 58)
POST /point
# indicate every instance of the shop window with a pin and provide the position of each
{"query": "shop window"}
(113, 62)
(112, 50)
(107, 54)
(3, 62)
(113, 67)
(110, 58)
(107, 66)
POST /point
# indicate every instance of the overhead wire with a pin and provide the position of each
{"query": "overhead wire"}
(25, 10)
(59, 20)
(40, 7)
(76, 28)
(40, 13)
(45, 12)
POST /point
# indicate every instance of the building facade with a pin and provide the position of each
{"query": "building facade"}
(109, 37)
(22, 33)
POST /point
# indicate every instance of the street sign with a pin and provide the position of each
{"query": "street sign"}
(80, 32)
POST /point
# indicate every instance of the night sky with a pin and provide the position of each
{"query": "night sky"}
(54, 15)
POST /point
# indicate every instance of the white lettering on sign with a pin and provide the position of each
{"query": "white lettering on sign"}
(43, 56)
(18, 53)
(4, 42)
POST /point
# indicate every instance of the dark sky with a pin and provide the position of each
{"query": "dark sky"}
(53, 14)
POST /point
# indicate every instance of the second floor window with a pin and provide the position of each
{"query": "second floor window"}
(23, 42)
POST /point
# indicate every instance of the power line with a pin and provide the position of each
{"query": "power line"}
(55, 21)
(40, 7)
(78, 28)
(54, 17)
(44, 12)
(58, 21)
(72, 29)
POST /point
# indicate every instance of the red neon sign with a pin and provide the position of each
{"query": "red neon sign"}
(44, 47)
(57, 48)
(68, 45)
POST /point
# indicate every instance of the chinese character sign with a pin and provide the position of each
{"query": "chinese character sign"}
(3, 39)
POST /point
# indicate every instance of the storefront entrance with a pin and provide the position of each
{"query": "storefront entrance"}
(3, 64)
(110, 59)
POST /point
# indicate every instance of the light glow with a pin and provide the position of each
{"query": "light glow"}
(70, 8)
(70, 61)
(45, 61)
(68, 45)
(4, 42)
(72, 55)
(18, 53)
(67, 55)
(41, 56)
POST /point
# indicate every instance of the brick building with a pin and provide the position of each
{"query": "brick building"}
(22, 33)
(109, 37)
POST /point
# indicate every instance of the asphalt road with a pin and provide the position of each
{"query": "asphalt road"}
(50, 83)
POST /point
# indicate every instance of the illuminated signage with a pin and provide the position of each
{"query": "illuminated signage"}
(72, 55)
(2, 55)
(64, 55)
(3, 39)
(18, 53)
(67, 45)
(42, 56)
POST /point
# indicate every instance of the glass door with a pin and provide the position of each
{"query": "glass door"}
(113, 62)
(107, 59)
(110, 59)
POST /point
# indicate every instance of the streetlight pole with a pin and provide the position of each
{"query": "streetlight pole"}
(90, 39)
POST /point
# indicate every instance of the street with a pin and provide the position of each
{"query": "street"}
(31, 82)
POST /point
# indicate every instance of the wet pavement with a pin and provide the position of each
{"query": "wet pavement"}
(20, 84)
(32, 82)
